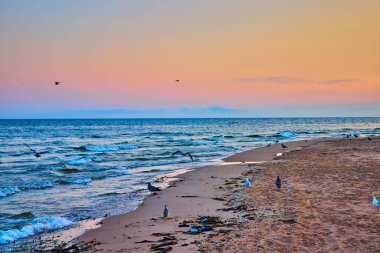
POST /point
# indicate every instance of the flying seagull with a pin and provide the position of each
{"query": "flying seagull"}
(247, 183)
(283, 146)
(278, 182)
(183, 154)
(152, 188)
(57, 82)
(36, 154)
(166, 211)
(177, 80)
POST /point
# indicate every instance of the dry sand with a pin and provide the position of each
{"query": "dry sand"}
(325, 204)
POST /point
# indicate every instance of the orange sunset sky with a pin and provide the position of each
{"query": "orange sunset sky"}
(233, 58)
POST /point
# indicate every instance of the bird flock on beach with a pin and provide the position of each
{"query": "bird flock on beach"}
(247, 182)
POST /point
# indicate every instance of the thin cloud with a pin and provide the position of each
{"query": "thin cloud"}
(338, 81)
(272, 79)
(291, 80)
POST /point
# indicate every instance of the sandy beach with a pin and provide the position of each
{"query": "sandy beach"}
(324, 205)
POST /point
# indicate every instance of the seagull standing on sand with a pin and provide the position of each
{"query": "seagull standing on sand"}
(247, 183)
(369, 138)
(269, 145)
(278, 182)
(166, 211)
(36, 154)
(356, 135)
(183, 154)
(152, 188)
(283, 146)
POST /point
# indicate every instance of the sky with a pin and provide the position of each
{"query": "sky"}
(240, 58)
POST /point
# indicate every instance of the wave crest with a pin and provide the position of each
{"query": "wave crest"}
(37, 225)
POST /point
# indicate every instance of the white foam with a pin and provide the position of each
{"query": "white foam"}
(289, 135)
(101, 148)
(41, 186)
(8, 191)
(128, 147)
(38, 225)
(80, 181)
(80, 161)
(216, 138)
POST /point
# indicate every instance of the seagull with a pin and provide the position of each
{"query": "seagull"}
(283, 146)
(369, 138)
(278, 182)
(166, 211)
(152, 188)
(277, 141)
(356, 135)
(183, 154)
(348, 136)
(247, 183)
(57, 82)
(177, 80)
(36, 154)
(269, 145)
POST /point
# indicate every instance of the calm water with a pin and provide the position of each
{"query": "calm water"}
(89, 168)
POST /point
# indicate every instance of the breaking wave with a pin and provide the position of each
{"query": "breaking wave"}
(38, 225)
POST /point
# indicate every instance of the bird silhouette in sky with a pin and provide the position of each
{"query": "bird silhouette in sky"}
(57, 82)
(183, 154)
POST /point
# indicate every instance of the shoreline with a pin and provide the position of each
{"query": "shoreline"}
(191, 193)
(150, 211)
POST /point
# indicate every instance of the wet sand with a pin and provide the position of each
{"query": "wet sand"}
(325, 204)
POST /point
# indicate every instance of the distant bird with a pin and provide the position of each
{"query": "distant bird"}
(356, 135)
(369, 138)
(283, 146)
(177, 80)
(152, 188)
(278, 182)
(305, 140)
(375, 202)
(247, 183)
(277, 141)
(166, 211)
(57, 82)
(348, 136)
(36, 154)
(183, 154)
(269, 144)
